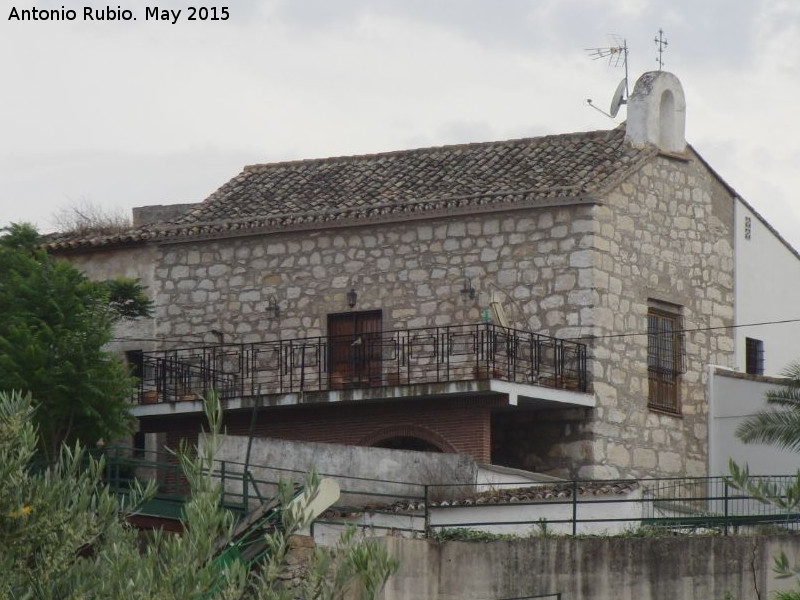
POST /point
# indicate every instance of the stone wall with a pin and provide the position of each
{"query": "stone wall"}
(585, 271)
(413, 272)
(664, 235)
(533, 262)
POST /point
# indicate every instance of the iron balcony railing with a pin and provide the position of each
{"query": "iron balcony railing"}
(388, 358)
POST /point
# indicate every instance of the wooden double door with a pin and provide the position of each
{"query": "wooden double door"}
(355, 349)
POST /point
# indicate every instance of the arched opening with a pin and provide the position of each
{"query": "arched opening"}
(666, 118)
(407, 442)
(408, 436)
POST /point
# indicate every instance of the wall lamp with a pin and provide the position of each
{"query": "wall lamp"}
(352, 298)
(467, 292)
(272, 309)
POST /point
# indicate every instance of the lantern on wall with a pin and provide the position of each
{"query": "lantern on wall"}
(352, 298)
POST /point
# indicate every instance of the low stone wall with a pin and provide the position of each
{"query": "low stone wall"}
(611, 568)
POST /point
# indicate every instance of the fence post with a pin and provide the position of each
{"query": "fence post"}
(725, 483)
(427, 512)
(221, 480)
(246, 490)
(574, 508)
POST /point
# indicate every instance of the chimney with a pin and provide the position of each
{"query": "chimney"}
(657, 113)
(159, 213)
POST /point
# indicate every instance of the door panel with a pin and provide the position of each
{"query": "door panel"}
(354, 348)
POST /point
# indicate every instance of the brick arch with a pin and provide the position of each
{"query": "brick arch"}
(408, 430)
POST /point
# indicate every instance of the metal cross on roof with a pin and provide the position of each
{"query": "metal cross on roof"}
(661, 43)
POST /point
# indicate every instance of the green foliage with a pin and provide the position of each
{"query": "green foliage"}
(65, 537)
(54, 324)
(780, 423)
(765, 490)
(127, 299)
(54, 521)
(462, 534)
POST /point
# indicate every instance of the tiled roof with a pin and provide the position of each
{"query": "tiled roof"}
(558, 168)
(531, 493)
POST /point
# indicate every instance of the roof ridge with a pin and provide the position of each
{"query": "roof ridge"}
(427, 149)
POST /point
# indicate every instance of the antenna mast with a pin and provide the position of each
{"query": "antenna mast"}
(616, 54)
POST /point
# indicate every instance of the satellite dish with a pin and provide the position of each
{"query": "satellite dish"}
(619, 98)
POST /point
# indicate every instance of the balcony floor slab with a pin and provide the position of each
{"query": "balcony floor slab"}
(517, 394)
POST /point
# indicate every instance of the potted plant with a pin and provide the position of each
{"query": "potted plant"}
(149, 396)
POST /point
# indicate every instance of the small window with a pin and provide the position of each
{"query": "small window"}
(754, 356)
(665, 358)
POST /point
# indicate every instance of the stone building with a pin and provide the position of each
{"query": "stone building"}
(549, 303)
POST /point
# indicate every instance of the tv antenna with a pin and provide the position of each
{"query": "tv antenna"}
(617, 54)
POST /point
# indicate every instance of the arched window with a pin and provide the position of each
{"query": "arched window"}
(407, 442)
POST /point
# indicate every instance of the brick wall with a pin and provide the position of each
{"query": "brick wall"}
(454, 425)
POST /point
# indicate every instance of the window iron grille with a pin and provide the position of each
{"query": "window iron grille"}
(666, 360)
(754, 356)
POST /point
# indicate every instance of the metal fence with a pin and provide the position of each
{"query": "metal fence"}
(436, 354)
(556, 596)
(568, 508)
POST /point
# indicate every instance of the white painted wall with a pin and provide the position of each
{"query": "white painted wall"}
(733, 397)
(767, 288)
(599, 515)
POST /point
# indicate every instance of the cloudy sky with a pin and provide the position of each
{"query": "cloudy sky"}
(122, 114)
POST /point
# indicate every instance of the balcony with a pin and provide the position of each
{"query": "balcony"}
(365, 360)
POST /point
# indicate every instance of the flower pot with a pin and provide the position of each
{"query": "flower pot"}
(149, 397)
(336, 381)
(485, 372)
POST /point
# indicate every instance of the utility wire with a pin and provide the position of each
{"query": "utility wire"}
(587, 337)
(677, 331)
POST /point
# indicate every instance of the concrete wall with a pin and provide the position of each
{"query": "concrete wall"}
(734, 397)
(685, 567)
(767, 289)
(395, 473)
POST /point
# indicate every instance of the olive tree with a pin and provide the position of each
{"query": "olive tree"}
(65, 534)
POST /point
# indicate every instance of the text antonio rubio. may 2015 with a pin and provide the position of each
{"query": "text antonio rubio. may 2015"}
(111, 13)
